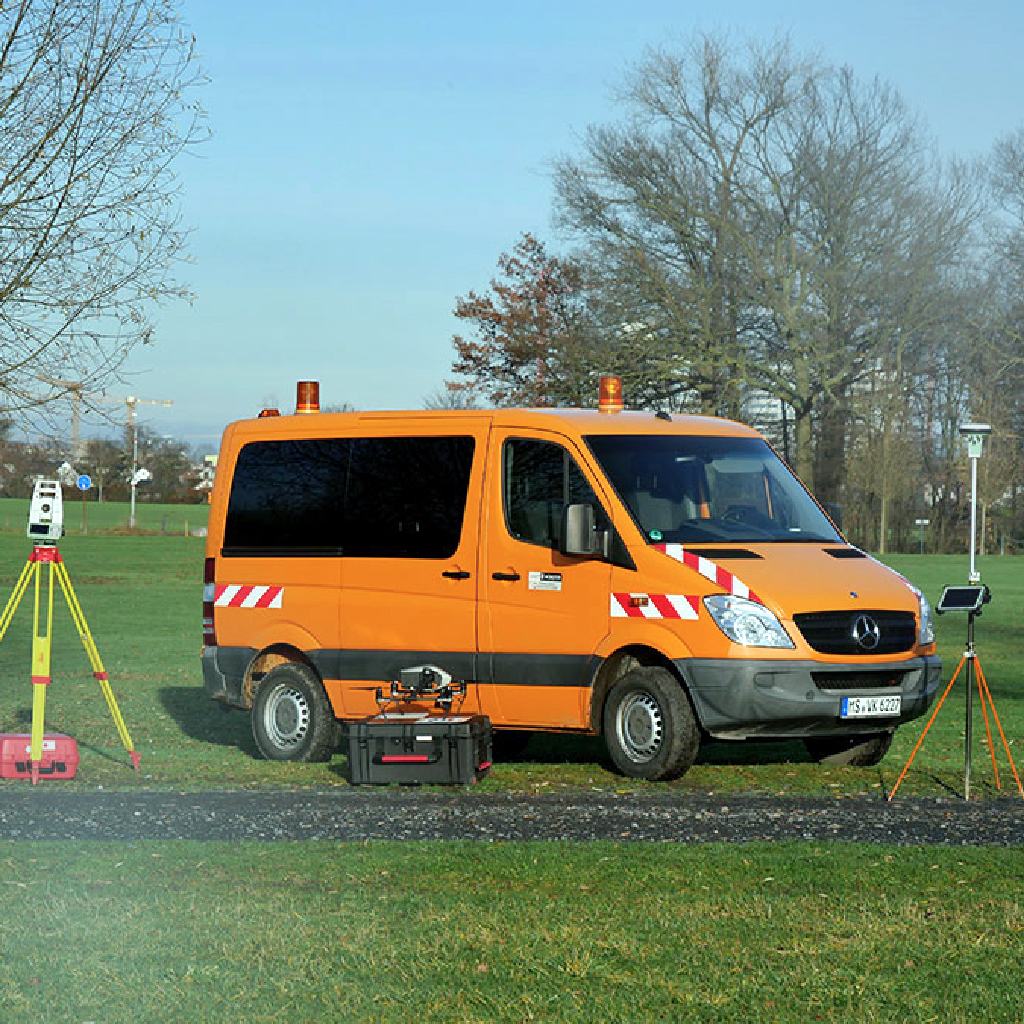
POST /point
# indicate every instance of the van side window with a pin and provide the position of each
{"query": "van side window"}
(369, 497)
(406, 496)
(539, 479)
(286, 496)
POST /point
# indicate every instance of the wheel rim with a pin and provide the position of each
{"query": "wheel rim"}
(286, 717)
(640, 727)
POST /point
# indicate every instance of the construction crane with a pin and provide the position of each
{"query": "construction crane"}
(74, 388)
(131, 401)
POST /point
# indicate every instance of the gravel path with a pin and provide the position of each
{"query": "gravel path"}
(350, 815)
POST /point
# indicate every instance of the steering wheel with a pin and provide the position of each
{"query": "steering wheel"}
(742, 514)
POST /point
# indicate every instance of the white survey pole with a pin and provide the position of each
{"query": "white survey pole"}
(974, 576)
(975, 433)
(135, 470)
(131, 402)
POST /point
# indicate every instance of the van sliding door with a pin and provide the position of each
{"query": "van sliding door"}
(542, 614)
(409, 557)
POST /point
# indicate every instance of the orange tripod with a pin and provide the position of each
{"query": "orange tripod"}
(974, 672)
(47, 554)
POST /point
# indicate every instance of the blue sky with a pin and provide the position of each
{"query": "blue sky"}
(370, 161)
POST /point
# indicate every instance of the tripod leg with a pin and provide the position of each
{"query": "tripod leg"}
(93, 654)
(913, 753)
(16, 595)
(1006, 746)
(40, 671)
(984, 713)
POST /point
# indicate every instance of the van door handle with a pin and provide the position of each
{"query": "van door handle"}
(456, 574)
(510, 577)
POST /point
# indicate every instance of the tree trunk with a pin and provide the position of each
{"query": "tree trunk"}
(883, 524)
(804, 453)
(830, 451)
(883, 488)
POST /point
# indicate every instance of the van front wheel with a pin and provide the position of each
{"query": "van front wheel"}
(292, 719)
(649, 726)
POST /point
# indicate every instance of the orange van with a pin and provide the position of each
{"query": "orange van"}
(655, 579)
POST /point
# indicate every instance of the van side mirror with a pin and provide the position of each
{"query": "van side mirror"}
(580, 537)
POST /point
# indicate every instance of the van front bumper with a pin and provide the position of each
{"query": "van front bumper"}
(782, 699)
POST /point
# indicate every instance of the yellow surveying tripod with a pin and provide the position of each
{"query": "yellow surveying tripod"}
(46, 521)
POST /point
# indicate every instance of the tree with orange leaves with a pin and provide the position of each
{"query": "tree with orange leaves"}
(533, 335)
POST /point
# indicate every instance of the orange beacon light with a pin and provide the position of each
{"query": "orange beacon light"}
(610, 399)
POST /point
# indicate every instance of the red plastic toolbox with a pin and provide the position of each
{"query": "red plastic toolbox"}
(59, 757)
(415, 748)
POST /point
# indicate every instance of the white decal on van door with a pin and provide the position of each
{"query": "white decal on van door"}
(545, 581)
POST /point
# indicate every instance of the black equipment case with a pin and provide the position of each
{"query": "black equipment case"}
(417, 748)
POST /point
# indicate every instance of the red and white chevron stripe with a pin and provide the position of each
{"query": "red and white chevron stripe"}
(709, 570)
(234, 595)
(654, 606)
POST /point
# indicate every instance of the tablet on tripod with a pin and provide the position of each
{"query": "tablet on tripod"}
(964, 599)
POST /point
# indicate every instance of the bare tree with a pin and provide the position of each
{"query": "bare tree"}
(445, 397)
(1008, 178)
(865, 225)
(106, 462)
(661, 202)
(1009, 182)
(97, 99)
(1007, 234)
(770, 224)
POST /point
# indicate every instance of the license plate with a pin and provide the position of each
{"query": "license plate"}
(870, 707)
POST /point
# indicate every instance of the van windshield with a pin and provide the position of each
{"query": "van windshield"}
(696, 490)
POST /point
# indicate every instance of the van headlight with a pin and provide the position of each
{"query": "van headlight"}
(926, 634)
(746, 622)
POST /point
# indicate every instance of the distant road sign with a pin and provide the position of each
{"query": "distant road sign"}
(84, 482)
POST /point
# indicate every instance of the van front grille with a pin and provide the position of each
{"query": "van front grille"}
(857, 680)
(858, 632)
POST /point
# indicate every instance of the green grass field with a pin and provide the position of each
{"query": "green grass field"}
(480, 932)
(92, 516)
(519, 932)
(142, 598)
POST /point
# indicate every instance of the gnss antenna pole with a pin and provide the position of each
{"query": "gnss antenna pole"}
(969, 599)
(975, 433)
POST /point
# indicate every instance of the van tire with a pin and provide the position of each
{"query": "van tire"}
(857, 751)
(292, 719)
(649, 726)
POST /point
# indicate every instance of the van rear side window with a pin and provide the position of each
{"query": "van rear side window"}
(364, 497)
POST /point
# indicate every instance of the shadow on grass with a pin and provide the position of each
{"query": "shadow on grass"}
(206, 720)
(558, 748)
(755, 752)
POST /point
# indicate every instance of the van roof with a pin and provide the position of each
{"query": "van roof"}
(575, 421)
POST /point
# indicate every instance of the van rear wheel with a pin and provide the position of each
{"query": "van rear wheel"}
(649, 727)
(292, 719)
